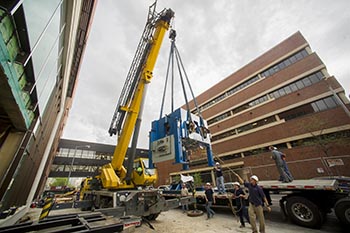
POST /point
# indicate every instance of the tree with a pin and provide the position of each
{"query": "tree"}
(316, 127)
(176, 179)
(59, 181)
(197, 179)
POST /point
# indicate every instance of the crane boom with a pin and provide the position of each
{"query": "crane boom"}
(132, 96)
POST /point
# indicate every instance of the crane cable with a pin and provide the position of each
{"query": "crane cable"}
(174, 52)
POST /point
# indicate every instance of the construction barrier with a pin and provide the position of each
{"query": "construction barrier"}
(49, 202)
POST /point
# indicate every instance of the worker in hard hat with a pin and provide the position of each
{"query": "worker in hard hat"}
(184, 193)
(239, 196)
(219, 178)
(139, 170)
(281, 165)
(209, 200)
(257, 199)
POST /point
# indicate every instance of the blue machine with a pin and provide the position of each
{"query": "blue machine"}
(174, 135)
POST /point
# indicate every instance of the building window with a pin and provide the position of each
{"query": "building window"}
(228, 93)
(45, 31)
(317, 139)
(330, 102)
(63, 152)
(231, 156)
(239, 109)
(304, 82)
(285, 63)
(270, 71)
(244, 128)
(317, 106)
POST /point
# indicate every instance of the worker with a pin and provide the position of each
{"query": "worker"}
(256, 201)
(209, 200)
(279, 158)
(219, 178)
(239, 196)
(139, 170)
(184, 193)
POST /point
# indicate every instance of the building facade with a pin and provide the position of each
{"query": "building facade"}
(82, 159)
(285, 98)
(41, 48)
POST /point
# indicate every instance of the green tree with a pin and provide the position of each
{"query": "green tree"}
(197, 179)
(59, 181)
(316, 127)
(176, 179)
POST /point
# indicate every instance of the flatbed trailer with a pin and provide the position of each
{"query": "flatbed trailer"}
(143, 203)
(304, 202)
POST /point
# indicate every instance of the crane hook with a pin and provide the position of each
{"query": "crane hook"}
(172, 34)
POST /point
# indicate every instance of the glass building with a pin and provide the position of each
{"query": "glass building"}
(41, 48)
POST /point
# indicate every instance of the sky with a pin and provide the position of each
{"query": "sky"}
(214, 38)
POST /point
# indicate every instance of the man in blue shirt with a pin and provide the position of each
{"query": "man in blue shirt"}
(239, 196)
(256, 202)
(219, 178)
(209, 200)
(282, 167)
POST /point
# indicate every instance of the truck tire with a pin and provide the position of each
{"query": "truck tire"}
(342, 210)
(304, 212)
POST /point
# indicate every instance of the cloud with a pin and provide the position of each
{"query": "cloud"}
(215, 39)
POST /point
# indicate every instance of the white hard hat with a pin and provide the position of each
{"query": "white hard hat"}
(254, 177)
(236, 183)
(207, 184)
(217, 163)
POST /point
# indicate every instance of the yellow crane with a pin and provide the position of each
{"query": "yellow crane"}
(116, 185)
(129, 109)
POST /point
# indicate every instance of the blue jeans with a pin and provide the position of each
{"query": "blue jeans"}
(286, 170)
(243, 212)
(220, 184)
(210, 212)
(184, 207)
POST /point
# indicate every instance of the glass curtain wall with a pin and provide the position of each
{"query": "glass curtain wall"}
(45, 31)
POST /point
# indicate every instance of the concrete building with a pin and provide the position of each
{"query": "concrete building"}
(41, 49)
(285, 98)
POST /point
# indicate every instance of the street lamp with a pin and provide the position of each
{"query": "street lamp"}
(75, 152)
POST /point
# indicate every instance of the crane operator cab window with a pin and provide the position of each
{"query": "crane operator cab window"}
(148, 171)
(138, 168)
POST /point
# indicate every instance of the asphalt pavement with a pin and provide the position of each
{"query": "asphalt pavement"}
(276, 223)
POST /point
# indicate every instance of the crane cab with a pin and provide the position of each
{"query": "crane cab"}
(142, 174)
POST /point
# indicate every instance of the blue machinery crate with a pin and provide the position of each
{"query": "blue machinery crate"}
(175, 134)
